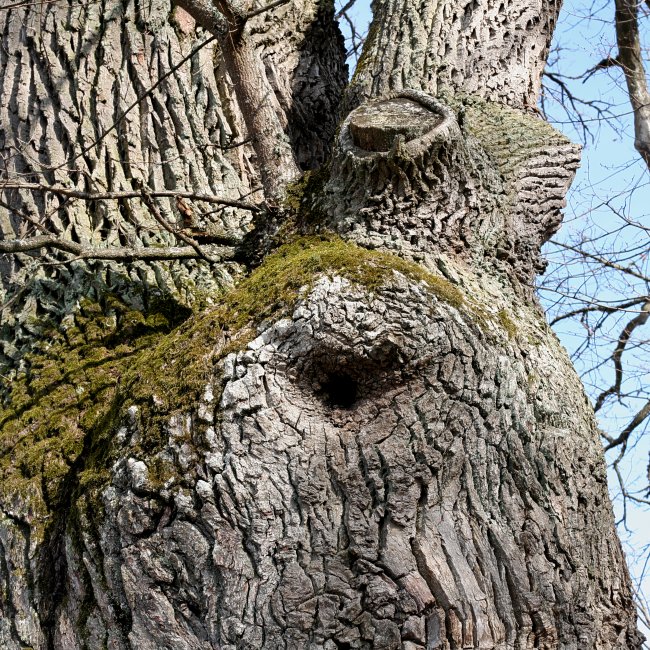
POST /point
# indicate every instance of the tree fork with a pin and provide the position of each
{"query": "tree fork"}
(276, 162)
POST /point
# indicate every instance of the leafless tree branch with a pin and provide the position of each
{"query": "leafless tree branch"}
(638, 419)
(99, 196)
(150, 202)
(610, 309)
(123, 253)
(617, 355)
(631, 60)
(268, 7)
(601, 260)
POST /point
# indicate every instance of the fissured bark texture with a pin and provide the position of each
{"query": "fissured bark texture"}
(374, 471)
(383, 463)
(70, 79)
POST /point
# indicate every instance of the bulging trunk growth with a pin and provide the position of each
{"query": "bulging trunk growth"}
(373, 440)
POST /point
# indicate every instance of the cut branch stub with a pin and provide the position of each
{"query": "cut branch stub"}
(375, 126)
(411, 117)
(403, 178)
(406, 176)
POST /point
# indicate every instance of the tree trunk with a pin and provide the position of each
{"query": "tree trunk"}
(374, 440)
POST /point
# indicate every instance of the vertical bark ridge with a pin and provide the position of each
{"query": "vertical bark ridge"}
(71, 71)
(495, 49)
(389, 459)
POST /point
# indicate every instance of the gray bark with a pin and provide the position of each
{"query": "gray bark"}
(631, 60)
(352, 449)
(494, 49)
(69, 72)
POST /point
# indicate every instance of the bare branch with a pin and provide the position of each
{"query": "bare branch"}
(601, 260)
(574, 106)
(631, 60)
(117, 196)
(608, 62)
(255, 96)
(641, 415)
(123, 253)
(617, 355)
(149, 201)
(344, 9)
(608, 309)
(268, 7)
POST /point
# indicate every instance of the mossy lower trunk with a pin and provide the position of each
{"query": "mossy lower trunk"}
(360, 474)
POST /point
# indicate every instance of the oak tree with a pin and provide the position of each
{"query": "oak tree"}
(276, 376)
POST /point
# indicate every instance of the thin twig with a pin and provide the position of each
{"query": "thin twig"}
(117, 196)
(638, 419)
(617, 355)
(268, 7)
(123, 253)
(149, 201)
(608, 309)
(603, 261)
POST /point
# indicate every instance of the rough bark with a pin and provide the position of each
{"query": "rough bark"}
(490, 190)
(352, 448)
(69, 71)
(631, 60)
(383, 470)
(495, 49)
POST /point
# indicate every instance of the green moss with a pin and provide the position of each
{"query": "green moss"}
(274, 285)
(176, 368)
(56, 433)
(507, 323)
(301, 197)
(295, 192)
(160, 472)
(65, 405)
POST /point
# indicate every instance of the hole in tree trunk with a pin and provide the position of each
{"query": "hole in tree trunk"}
(340, 391)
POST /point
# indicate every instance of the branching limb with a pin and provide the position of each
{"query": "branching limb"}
(617, 355)
(631, 60)
(638, 419)
(607, 309)
(149, 201)
(607, 62)
(259, 106)
(48, 240)
(268, 7)
(122, 253)
(99, 196)
(605, 262)
(574, 106)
